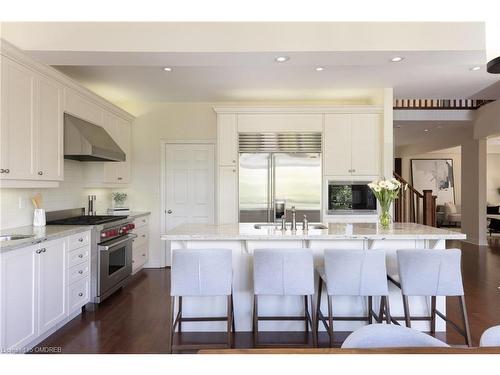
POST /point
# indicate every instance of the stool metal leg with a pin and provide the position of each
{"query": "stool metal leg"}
(433, 314)
(318, 304)
(465, 318)
(306, 314)
(387, 310)
(255, 320)
(370, 308)
(232, 312)
(406, 308)
(330, 320)
(180, 314)
(314, 325)
(172, 327)
(229, 320)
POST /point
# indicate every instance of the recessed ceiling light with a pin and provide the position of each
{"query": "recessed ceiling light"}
(319, 69)
(397, 59)
(426, 130)
(475, 68)
(167, 69)
(281, 59)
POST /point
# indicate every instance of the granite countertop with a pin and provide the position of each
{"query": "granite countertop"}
(40, 234)
(365, 231)
(131, 214)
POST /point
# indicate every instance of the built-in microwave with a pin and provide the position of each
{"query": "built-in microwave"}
(351, 197)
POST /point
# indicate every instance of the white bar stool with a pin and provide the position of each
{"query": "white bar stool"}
(360, 273)
(284, 272)
(432, 273)
(389, 336)
(196, 273)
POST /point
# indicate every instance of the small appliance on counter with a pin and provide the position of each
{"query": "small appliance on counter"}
(118, 211)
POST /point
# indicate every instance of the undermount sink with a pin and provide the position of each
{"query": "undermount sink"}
(13, 237)
(299, 225)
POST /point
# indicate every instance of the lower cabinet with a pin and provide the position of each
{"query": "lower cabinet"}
(227, 200)
(140, 245)
(39, 291)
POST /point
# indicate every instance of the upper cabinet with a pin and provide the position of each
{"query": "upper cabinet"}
(352, 144)
(31, 126)
(227, 139)
(34, 98)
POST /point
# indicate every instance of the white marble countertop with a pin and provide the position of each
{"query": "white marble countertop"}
(40, 234)
(368, 231)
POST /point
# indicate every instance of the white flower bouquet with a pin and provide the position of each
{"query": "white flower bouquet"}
(385, 191)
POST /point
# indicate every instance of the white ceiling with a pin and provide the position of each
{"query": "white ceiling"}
(235, 62)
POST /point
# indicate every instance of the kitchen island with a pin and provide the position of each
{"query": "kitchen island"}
(244, 238)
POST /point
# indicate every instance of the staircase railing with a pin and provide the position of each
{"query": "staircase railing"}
(413, 206)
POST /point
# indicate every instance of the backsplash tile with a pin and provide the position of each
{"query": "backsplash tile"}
(70, 194)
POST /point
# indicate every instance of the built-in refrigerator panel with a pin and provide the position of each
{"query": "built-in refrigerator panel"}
(254, 187)
(266, 179)
(297, 180)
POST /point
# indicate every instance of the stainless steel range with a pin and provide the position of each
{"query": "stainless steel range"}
(111, 251)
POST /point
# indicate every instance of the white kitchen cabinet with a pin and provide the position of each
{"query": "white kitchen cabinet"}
(228, 204)
(50, 139)
(140, 245)
(40, 289)
(82, 107)
(352, 144)
(51, 282)
(17, 130)
(18, 297)
(31, 129)
(227, 140)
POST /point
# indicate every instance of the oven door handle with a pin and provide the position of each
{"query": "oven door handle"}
(107, 247)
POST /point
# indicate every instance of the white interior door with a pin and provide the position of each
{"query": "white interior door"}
(189, 185)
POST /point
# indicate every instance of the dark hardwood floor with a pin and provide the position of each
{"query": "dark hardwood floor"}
(136, 319)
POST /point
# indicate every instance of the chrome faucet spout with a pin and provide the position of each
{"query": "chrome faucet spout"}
(294, 219)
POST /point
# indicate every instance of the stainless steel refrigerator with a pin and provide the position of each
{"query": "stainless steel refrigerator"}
(269, 181)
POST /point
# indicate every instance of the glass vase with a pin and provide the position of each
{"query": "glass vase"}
(385, 219)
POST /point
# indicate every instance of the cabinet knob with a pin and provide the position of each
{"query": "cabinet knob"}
(169, 212)
(133, 261)
(7, 170)
(38, 251)
(143, 255)
(2, 170)
(80, 255)
(234, 170)
(80, 294)
(234, 161)
(120, 178)
(40, 173)
(80, 239)
(80, 272)
(143, 235)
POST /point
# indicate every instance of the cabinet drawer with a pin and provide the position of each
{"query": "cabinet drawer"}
(141, 221)
(139, 257)
(79, 240)
(78, 272)
(142, 236)
(78, 294)
(78, 256)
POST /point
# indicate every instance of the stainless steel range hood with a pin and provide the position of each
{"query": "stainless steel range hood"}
(85, 141)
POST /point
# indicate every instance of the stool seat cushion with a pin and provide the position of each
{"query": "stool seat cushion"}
(353, 272)
(389, 336)
(201, 272)
(429, 272)
(490, 337)
(283, 272)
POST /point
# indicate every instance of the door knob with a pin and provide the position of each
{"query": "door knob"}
(40, 173)
(169, 212)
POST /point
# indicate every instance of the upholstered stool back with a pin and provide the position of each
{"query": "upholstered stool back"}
(283, 272)
(430, 272)
(389, 336)
(490, 337)
(201, 272)
(356, 272)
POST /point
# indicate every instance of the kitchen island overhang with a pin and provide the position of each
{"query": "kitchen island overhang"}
(244, 238)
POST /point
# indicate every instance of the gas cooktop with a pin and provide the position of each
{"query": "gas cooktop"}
(86, 220)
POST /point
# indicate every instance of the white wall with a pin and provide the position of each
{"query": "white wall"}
(451, 153)
(70, 194)
(493, 179)
(162, 121)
